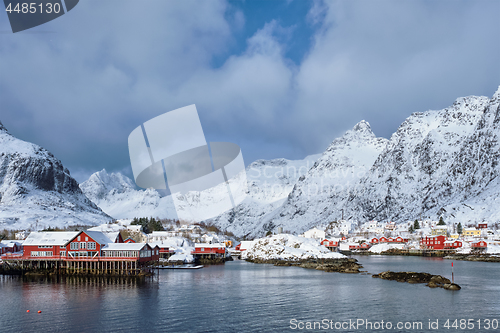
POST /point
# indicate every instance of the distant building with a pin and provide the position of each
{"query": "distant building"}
(332, 245)
(244, 245)
(314, 233)
(21, 235)
(482, 225)
(471, 232)
(452, 244)
(439, 230)
(209, 251)
(478, 246)
(433, 242)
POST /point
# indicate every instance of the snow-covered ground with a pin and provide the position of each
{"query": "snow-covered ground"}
(378, 248)
(288, 247)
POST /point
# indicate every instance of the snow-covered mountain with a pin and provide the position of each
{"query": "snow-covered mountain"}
(469, 191)
(269, 183)
(437, 163)
(117, 196)
(36, 191)
(318, 195)
(419, 153)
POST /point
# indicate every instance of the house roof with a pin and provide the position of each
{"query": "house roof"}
(160, 244)
(209, 245)
(246, 244)
(113, 236)
(11, 242)
(53, 238)
(98, 236)
(124, 246)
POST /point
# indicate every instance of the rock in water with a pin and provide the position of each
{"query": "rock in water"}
(433, 281)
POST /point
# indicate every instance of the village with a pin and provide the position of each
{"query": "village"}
(123, 248)
(424, 238)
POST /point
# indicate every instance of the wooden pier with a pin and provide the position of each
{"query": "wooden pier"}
(78, 267)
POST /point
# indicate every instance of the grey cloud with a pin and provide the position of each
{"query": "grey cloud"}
(80, 91)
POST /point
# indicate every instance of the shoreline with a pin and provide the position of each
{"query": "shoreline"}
(340, 265)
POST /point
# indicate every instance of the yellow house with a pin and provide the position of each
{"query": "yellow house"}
(439, 230)
(472, 232)
(454, 236)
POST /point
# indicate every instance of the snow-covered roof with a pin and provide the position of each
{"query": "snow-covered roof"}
(244, 245)
(11, 242)
(207, 245)
(99, 237)
(113, 236)
(124, 247)
(160, 244)
(53, 238)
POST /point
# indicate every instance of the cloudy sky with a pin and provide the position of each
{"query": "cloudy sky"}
(279, 78)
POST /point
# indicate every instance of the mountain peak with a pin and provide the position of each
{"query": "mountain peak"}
(360, 132)
(362, 126)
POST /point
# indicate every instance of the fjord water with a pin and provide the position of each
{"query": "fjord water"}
(246, 297)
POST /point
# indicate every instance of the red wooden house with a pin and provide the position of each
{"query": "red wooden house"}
(480, 245)
(10, 246)
(362, 246)
(211, 251)
(433, 242)
(140, 252)
(374, 240)
(383, 239)
(165, 251)
(330, 244)
(452, 244)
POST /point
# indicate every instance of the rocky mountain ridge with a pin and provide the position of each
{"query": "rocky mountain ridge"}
(37, 191)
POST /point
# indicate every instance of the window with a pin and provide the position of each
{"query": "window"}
(73, 246)
(86, 239)
(91, 246)
(83, 245)
(63, 253)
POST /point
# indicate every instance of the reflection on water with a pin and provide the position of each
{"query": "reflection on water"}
(241, 296)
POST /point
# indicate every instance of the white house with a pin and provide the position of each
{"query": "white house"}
(22, 234)
(314, 233)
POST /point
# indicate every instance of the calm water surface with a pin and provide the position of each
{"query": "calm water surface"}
(245, 297)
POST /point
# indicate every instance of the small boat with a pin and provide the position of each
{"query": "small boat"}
(181, 267)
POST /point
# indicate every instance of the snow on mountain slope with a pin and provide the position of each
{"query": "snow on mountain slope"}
(419, 153)
(116, 195)
(36, 191)
(269, 184)
(470, 189)
(437, 163)
(318, 196)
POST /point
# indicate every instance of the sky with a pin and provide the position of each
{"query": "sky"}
(278, 78)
